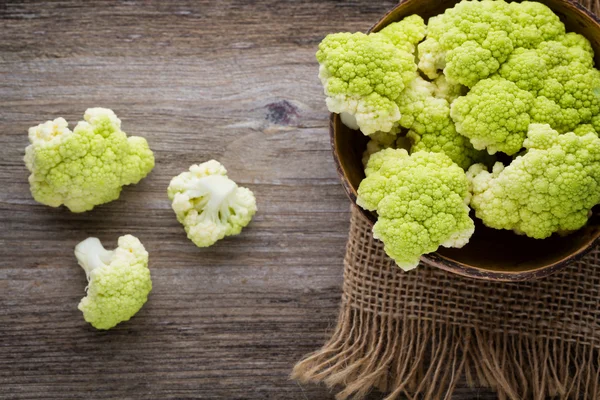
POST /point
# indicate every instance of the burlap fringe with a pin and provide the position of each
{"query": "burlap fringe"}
(427, 359)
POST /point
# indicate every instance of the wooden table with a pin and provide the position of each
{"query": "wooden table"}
(230, 80)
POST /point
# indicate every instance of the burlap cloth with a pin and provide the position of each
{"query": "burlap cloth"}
(421, 333)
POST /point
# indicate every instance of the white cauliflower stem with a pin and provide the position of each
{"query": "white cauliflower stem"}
(91, 255)
(209, 204)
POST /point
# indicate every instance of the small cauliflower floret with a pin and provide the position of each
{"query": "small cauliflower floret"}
(432, 57)
(362, 75)
(209, 204)
(421, 202)
(471, 62)
(430, 126)
(411, 102)
(405, 34)
(526, 69)
(561, 77)
(87, 166)
(578, 48)
(446, 90)
(551, 188)
(469, 41)
(494, 115)
(533, 23)
(379, 141)
(572, 88)
(584, 129)
(119, 280)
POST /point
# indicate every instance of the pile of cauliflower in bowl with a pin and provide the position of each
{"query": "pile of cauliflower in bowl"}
(490, 106)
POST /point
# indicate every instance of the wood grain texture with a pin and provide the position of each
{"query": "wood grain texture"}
(231, 80)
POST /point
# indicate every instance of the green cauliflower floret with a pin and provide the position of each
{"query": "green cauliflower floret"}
(421, 201)
(533, 23)
(494, 115)
(577, 47)
(118, 280)
(379, 141)
(473, 39)
(430, 126)
(431, 55)
(551, 188)
(564, 80)
(469, 41)
(405, 34)
(471, 62)
(526, 69)
(87, 166)
(209, 204)
(446, 90)
(364, 74)
(584, 129)
(595, 122)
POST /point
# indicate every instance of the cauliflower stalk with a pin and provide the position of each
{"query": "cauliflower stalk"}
(118, 280)
(209, 204)
(551, 188)
(421, 201)
(87, 166)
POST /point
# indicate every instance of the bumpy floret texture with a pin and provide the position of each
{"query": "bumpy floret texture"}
(430, 127)
(119, 280)
(363, 75)
(405, 34)
(554, 67)
(421, 202)
(494, 115)
(87, 166)
(473, 39)
(209, 204)
(551, 188)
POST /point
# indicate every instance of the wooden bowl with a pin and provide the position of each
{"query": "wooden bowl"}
(491, 254)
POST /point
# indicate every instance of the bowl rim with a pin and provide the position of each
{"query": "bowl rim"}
(435, 259)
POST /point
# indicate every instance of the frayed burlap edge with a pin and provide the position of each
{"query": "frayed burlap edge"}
(421, 333)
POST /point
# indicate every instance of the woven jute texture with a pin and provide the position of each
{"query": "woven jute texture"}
(421, 333)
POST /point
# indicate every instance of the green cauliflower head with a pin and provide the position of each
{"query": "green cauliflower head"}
(550, 81)
(87, 166)
(364, 74)
(473, 39)
(209, 204)
(551, 188)
(421, 201)
(119, 280)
